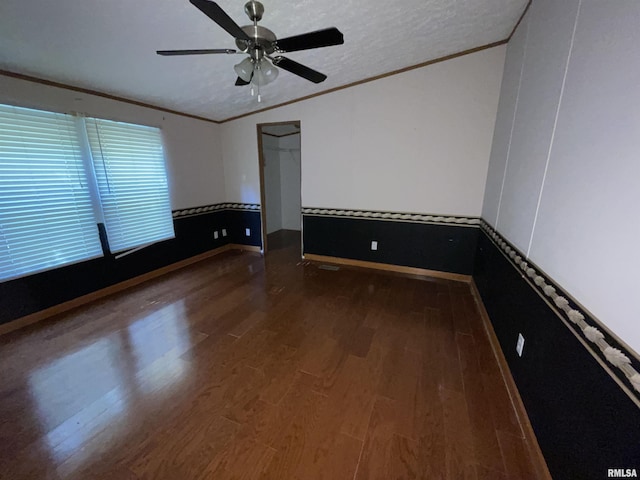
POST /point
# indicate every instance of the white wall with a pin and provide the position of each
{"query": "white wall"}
(565, 165)
(290, 181)
(272, 185)
(192, 147)
(414, 142)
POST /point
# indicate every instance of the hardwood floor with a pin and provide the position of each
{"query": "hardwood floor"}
(241, 367)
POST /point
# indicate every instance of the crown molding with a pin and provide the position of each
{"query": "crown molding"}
(524, 12)
(50, 83)
(371, 79)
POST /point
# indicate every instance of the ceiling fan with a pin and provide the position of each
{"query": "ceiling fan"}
(261, 44)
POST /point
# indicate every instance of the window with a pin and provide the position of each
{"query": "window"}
(129, 168)
(61, 175)
(46, 215)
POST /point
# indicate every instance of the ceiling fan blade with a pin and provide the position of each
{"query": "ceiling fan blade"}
(299, 69)
(215, 13)
(168, 53)
(241, 83)
(317, 39)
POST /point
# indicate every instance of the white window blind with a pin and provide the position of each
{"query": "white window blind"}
(46, 215)
(130, 172)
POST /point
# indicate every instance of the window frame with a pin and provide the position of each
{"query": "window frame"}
(87, 166)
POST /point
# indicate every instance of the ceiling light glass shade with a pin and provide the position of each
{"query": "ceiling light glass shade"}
(244, 69)
(264, 74)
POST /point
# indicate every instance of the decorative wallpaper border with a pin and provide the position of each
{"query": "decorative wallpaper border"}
(189, 212)
(243, 206)
(601, 343)
(397, 216)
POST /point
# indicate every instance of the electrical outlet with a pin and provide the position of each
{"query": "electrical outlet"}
(520, 344)
(224, 232)
(247, 232)
(374, 245)
(215, 235)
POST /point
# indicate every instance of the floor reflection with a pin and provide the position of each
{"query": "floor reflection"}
(157, 342)
(98, 389)
(67, 438)
(75, 380)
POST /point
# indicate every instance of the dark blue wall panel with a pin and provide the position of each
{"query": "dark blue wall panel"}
(446, 248)
(584, 422)
(194, 235)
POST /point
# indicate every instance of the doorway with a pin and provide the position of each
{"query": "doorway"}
(280, 186)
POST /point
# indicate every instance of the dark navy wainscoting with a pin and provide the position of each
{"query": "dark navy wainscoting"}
(194, 235)
(584, 422)
(446, 248)
(240, 220)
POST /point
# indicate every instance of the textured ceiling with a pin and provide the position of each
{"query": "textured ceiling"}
(110, 46)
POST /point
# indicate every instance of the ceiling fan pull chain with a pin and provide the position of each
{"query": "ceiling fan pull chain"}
(259, 96)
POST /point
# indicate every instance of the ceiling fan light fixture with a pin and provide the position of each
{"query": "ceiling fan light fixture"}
(244, 69)
(270, 72)
(264, 73)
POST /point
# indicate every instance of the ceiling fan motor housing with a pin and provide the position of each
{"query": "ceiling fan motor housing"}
(261, 38)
